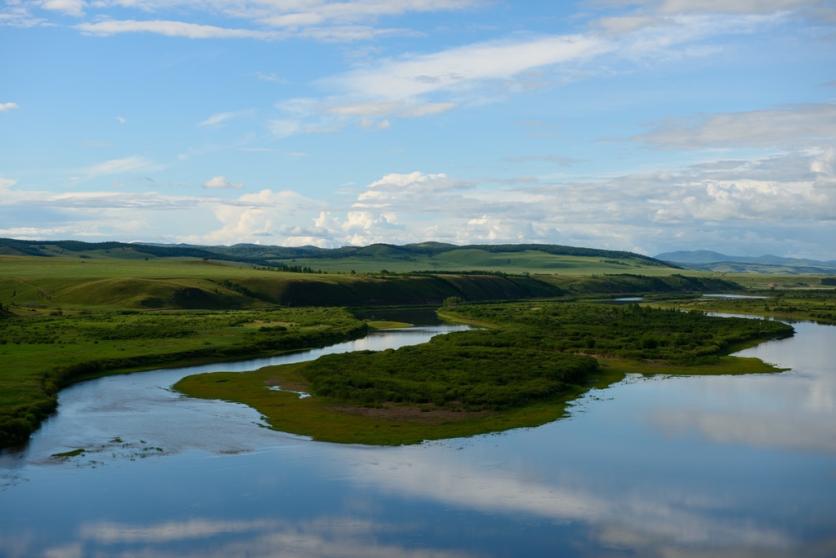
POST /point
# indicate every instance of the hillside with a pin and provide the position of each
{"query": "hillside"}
(427, 256)
(39, 282)
(708, 260)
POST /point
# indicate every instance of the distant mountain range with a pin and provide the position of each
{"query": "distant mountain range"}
(716, 261)
(425, 256)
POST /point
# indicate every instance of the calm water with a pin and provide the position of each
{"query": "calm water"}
(676, 467)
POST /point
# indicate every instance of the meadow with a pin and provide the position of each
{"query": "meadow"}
(519, 368)
(31, 283)
(66, 316)
(47, 351)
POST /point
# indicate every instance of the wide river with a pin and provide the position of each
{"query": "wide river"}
(668, 467)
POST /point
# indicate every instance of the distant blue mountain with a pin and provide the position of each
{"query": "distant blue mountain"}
(713, 260)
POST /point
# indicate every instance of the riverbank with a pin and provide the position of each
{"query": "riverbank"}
(522, 369)
(45, 353)
(814, 305)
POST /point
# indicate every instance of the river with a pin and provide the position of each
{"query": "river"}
(673, 467)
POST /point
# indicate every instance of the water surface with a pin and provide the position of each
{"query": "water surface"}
(702, 466)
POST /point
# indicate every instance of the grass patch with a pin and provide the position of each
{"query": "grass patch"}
(69, 454)
(43, 353)
(332, 420)
(521, 369)
(387, 324)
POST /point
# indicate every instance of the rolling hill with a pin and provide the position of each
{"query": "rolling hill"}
(47, 274)
(427, 256)
(707, 260)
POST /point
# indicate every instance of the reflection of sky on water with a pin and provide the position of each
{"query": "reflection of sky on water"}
(141, 407)
(792, 411)
(678, 467)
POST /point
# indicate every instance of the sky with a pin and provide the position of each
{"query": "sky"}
(644, 125)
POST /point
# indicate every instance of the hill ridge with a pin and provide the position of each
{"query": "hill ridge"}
(269, 254)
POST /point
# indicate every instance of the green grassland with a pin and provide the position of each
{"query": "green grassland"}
(519, 369)
(32, 282)
(818, 306)
(474, 259)
(70, 310)
(45, 352)
(27, 281)
(427, 256)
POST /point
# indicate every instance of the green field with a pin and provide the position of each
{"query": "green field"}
(472, 259)
(427, 256)
(34, 282)
(43, 353)
(519, 369)
(31, 283)
(72, 311)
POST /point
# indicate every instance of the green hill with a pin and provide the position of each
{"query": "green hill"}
(59, 281)
(426, 256)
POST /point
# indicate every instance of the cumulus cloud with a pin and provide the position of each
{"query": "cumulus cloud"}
(221, 183)
(782, 203)
(264, 216)
(760, 199)
(8, 106)
(405, 189)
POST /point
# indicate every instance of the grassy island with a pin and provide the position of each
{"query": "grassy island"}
(519, 368)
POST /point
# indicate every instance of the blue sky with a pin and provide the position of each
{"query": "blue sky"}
(646, 125)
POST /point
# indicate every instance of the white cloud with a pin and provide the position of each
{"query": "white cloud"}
(6, 183)
(171, 28)
(783, 203)
(647, 13)
(405, 189)
(411, 110)
(70, 7)
(119, 166)
(270, 77)
(8, 106)
(462, 67)
(733, 6)
(222, 117)
(221, 183)
(793, 126)
(420, 85)
(266, 215)
(282, 128)
(314, 13)
(266, 19)
(121, 120)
